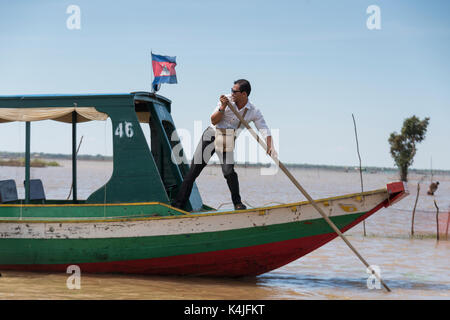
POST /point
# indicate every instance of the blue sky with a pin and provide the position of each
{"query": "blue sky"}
(311, 64)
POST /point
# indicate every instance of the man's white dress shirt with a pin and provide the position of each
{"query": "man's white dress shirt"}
(230, 121)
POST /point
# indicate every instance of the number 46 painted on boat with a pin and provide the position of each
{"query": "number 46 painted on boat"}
(124, 128)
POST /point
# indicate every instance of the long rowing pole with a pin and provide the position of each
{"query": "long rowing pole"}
(307, 196)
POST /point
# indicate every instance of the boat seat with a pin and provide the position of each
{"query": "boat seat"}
(8, 191)
(36, 189)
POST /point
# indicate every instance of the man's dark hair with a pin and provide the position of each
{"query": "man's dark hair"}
(244, 85)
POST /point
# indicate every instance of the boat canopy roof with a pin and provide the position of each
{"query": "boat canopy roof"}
(61, 107)
(59, 114)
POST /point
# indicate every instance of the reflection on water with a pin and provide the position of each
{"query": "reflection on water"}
(413, 268)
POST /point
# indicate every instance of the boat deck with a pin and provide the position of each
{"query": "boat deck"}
(51, 211)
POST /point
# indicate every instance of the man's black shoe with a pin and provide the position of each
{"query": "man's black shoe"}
(239, 206)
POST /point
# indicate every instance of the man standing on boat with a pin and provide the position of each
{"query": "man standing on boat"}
(223, 122)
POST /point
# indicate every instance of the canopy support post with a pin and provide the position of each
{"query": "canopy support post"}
(27, 161)
(74, 155)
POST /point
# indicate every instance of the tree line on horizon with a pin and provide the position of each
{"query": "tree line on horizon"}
(7, 154)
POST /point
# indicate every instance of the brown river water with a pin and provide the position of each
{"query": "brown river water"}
(414, 268)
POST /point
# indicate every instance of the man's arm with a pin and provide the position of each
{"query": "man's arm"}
(217, 116)
(261, 125)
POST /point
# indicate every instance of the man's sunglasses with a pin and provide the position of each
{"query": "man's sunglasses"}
(235, 91)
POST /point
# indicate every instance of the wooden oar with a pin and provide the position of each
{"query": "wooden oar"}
(303, 191)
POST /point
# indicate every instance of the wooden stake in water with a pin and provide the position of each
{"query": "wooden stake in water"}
(360, 168)
(448, 223)
(307, 196)
(414, 210)
(437, 220)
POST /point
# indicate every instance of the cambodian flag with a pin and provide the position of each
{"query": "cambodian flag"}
(163, 69)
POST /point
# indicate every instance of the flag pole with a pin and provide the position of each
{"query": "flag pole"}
(151, 71)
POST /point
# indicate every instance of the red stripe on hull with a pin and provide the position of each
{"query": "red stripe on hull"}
(247, 261)
(233, 262)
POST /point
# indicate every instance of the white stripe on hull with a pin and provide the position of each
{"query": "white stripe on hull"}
(189, 224)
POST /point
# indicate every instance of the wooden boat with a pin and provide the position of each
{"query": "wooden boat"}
(129, 226)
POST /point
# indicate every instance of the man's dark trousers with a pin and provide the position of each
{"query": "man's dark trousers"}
(202, 155)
